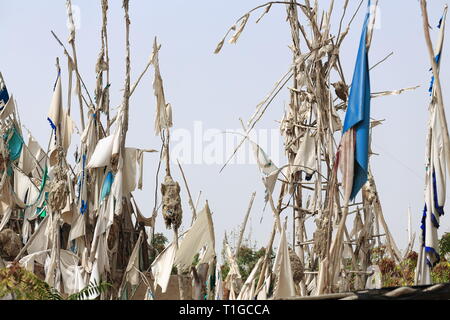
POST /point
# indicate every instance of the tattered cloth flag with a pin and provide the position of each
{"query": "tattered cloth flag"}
(435, 181)
(61, 123)
(434, 192)
(284, 286)
(55, 112)
(163, 118)
(353, 153)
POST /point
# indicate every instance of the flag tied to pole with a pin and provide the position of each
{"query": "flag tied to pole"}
(436, 170)
(353, 153)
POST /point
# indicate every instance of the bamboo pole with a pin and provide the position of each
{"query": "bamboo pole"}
(126, 94)
(191, 203)
(106, 44)
(392, 247)
(244, 224)
(272, 238)
(75, 60)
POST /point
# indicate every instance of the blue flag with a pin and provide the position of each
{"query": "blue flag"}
(358, 113)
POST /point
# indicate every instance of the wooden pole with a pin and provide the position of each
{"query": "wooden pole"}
(191, 203)
(244, 224)
(75, 61)
(106, 44)
(272, 238)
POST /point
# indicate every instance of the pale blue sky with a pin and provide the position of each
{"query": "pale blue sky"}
(218, 89)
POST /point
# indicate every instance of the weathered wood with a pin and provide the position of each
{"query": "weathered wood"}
(244, 224)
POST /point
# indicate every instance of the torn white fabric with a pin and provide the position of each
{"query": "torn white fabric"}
(265, 164)
(66, 129)
(305, 160)
(129, 170)
(374, 281)
(117, 144)
(72, 274)
(162, 267)
(200, 235)
(270, 182)
(89, 138)
(284, 286)
(55, 112)
(132, 270)
(94, 279)
(163, 119)
(5, 212)
(31, 156)
(67, 212)
(28, 261)
(41, 241)
(102, 153)
(78, 228)
(22, 187)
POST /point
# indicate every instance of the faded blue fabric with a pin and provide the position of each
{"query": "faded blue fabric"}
(358, 112)
(107, 183)
(15, 145)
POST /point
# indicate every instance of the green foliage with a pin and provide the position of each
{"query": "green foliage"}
(174, 270)
(441, 272)
(402, 274)
(247, 259)
(158, 245)
(159, 242)
(21, 284)
(444, 244)
(92, 289)
(377, 254)
(196, 260)
(224, 269)
(393, 274)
